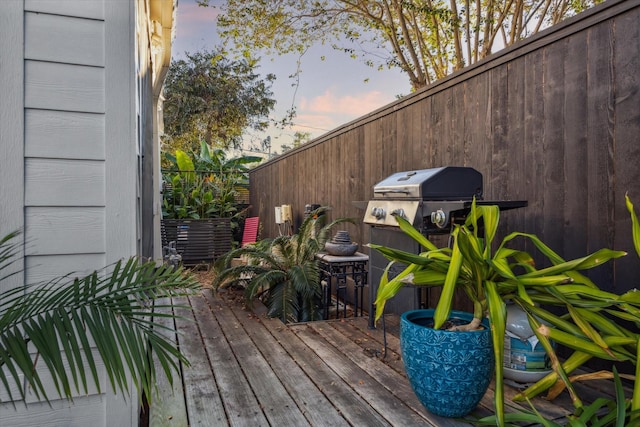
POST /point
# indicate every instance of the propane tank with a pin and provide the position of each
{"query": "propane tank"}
(525, 359)
(171, 255)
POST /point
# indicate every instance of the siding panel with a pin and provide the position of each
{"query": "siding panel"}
(88, 411)
(65, 135)
(64, 39)
(53, 182)
(14, 388)
(533, 169)
(58, 74)
(81, 8)
(47, 379)
(62, 230)
(600, 130)
(514, 146)
(64, 87)
(575, 105)
(553, 145)
(47, 267)
(11, 128)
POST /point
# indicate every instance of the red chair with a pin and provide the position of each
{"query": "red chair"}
(250, 232)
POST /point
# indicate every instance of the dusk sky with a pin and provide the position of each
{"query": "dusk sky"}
(331, 92)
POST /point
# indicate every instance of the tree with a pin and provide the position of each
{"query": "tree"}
(210, 98)
(299, 138)
(427, 39)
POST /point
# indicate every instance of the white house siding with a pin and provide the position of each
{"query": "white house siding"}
(65, 182)
(74, 113)
(11, 126)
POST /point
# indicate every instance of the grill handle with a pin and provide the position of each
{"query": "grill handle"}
(391, 191)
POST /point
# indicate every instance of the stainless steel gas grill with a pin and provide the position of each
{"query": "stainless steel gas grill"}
(432, 200)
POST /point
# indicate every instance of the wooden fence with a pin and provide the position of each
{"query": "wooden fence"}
(554, 120)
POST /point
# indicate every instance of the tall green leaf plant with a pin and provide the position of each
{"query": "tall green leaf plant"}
(491, 274)
(604, 412)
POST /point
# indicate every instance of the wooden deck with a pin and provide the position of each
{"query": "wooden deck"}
(249, 370)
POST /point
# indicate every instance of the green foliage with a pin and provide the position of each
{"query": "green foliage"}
(425, 39)
(590, 323)
(211, 98)
(283, 272)
(193, 198)
(299, 138)
(204, 186)
(603, 412)
(60, 318)
(635, 225)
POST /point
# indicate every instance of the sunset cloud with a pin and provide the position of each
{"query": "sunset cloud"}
(346, 105)
(325, 112)
(314, 123)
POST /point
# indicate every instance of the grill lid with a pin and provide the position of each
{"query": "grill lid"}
(445, 183)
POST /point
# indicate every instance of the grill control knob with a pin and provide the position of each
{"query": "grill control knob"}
(439, 218)
(399, 212)
(378, 213)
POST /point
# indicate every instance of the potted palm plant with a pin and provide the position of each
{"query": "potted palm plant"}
(491, 275)
(283, 271)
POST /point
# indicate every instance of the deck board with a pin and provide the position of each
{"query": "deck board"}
(386, 377)
(273, 399)
(240, 403)
(317, 409)
(370, 378)
(372, 341)
(204, 406)
(250, 370)
(170, 409)
(351, 406)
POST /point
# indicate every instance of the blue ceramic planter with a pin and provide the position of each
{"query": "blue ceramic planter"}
(449, 371)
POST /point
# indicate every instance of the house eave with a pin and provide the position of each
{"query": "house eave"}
(162, 17)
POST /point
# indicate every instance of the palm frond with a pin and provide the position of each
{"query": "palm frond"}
(282, 302)
(263, 282)
(305, 279)
(64, 321)
(8, 251)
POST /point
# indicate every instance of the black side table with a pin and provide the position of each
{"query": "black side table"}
(337, 270)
